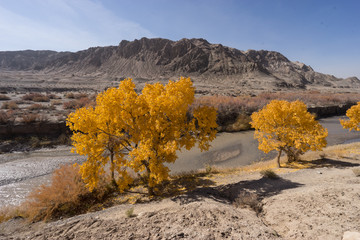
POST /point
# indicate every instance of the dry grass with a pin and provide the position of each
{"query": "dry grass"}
(9, 105)
(318, 158)
(351, 150)
(356, 171)
(4, 97)
(56, 102)
(69, 95)
(249, 200)
(53, 96)
(6, 117)
(78, 103)
(314, 97)
(36, 97)
(10, 212)
(29, 118)
(61, 197)
(241, 123)
(130, 213)
(72, 95)
(64, 139)
(259, 166)
(269, 173)
(37, 106)
(66, 195)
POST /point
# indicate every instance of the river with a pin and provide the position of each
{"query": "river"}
(20, 172)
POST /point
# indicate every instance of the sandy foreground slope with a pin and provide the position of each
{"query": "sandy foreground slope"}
(320, 202)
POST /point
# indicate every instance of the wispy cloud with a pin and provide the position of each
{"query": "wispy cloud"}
(64, 25)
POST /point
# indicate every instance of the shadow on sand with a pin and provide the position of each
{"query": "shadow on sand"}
(263, 187)
(321, 163)
(229, 193)
(256, 189)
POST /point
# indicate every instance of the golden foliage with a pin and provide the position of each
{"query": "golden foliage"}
(287, 126)
(353, 123)
(140, 132)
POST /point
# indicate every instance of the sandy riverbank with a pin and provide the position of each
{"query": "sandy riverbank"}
(320, 202)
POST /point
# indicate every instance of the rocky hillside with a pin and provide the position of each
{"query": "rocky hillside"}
(27, 60)
(150, 59)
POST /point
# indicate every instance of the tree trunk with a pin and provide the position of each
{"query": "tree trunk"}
(278, 158)
(112, 169)
(150, 189)
(147, 178)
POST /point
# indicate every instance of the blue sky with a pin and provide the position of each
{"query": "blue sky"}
(324, 34)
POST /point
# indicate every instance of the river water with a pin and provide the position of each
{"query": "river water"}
(20, 172)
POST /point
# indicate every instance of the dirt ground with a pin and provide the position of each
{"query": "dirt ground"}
(320, 201)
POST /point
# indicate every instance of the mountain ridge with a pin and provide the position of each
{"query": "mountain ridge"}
(159, 58)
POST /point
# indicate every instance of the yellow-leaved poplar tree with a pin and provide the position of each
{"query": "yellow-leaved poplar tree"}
(353, 123)
(139, 132)
(289, 127)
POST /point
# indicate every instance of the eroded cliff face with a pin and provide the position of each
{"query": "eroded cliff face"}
(150, 59)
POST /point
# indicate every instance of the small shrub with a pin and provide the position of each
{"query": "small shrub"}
(249, 199)
(56, 102)
(4, 97)
(356, 171)
(10, 105)
(20, 101)
(64, 139)
(34, 142)
(268, 173)
(6, 117)
(36, 97)
(70, 105)
(37, 106)
(241, 123)
(70, 95)
(208, 169)
(65, 196)
(81, 95)
(28, 97)
(61, 197)
(9, 212)
(51, 107)
(53, 96)
(78, 103)
(3, 117)
(30, 118)
(322, 156)
(130, 213)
